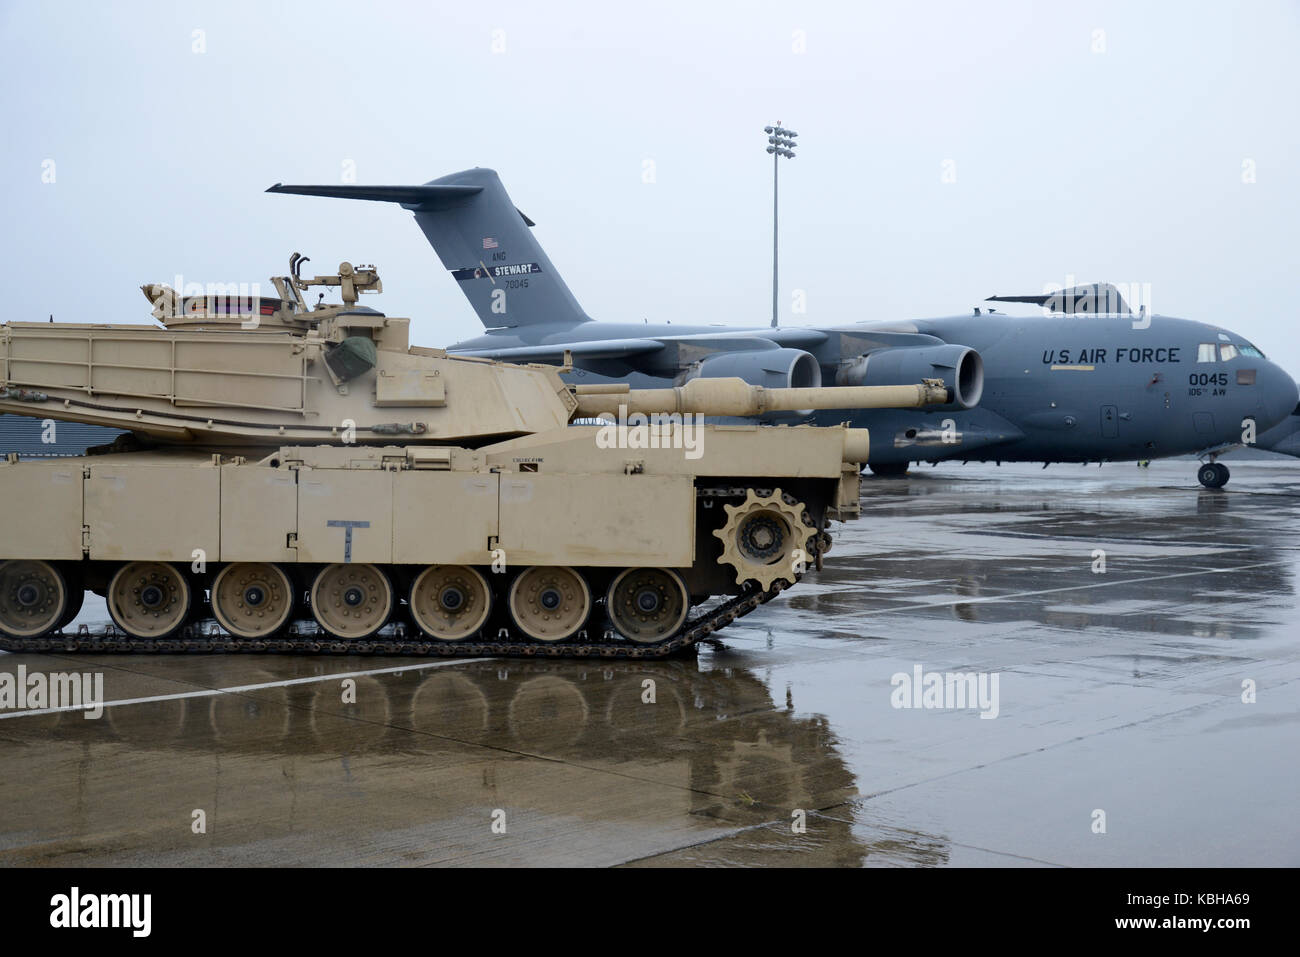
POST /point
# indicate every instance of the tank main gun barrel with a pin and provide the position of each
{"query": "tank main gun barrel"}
(730, 396)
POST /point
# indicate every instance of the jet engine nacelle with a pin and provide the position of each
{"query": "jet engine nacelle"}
(960, 368)
(770, 368)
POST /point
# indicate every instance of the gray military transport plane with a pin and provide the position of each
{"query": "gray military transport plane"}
(1087, 382)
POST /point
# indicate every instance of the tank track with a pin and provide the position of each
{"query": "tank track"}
(193, 640)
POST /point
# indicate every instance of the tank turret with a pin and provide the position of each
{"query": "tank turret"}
(299, 477)
(237, 370)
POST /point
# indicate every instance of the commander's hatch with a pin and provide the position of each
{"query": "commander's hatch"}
(222, 306)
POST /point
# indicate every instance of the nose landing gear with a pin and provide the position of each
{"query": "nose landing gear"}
(1213, 475)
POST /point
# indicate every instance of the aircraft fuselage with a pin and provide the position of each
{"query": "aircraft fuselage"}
(1073, 388)
(1089, 389)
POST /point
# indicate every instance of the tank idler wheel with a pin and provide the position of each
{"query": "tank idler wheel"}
(351, 601)
(34, 598)
(252, 599)
(149, 599)
(449, 602)
(764, 538)
(647, 605)
(549, 603)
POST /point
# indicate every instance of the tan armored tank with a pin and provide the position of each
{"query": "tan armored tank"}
(312, 482)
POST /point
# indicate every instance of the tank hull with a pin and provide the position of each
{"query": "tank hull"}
(387, 518)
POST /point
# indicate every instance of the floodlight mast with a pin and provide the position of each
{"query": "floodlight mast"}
(780, 143)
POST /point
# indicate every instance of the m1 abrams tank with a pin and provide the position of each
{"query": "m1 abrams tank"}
(312, 482)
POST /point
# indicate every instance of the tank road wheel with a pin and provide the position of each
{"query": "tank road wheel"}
(549, 603)
(351, 601)
(450, 602)
(34, 598)
(760, 538)
(252, 599)
(647, 604)
(149, 599)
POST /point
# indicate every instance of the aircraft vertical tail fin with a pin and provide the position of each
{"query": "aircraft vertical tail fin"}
(483, 240)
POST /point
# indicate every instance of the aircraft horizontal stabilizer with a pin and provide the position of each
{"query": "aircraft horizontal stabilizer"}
(425, 197)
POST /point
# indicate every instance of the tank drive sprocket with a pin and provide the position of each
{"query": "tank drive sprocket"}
(766, 538)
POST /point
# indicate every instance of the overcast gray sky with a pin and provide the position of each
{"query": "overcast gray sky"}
(1104, 141)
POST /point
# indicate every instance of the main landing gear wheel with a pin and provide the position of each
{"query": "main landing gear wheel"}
(889, 469)
(252, 599)
(450, 602)
(1213, 475)
(149, 599)
(762, 536)
(351, 601)
(549, 603)
(34, 598)
(647, 605)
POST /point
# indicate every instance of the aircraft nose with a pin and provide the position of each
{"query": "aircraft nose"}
(1277, 395)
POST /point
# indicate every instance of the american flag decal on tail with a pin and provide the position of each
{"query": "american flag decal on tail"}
(489, 243)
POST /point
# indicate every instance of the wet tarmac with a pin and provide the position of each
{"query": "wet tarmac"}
(1121, 736)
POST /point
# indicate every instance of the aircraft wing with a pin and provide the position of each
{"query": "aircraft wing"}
(793, 338)
(742, 340)
(831, 342)
(593, 349)
(668, 355)
(1283, 437)
(660, 355)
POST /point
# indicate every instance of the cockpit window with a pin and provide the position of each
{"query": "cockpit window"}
(1205, 352)
(1227, 352)
(1248, 350)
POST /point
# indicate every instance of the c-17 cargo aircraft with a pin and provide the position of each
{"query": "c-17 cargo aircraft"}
(1087, 382)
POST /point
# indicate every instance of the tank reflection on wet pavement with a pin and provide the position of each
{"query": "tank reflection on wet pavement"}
(1141, 631)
